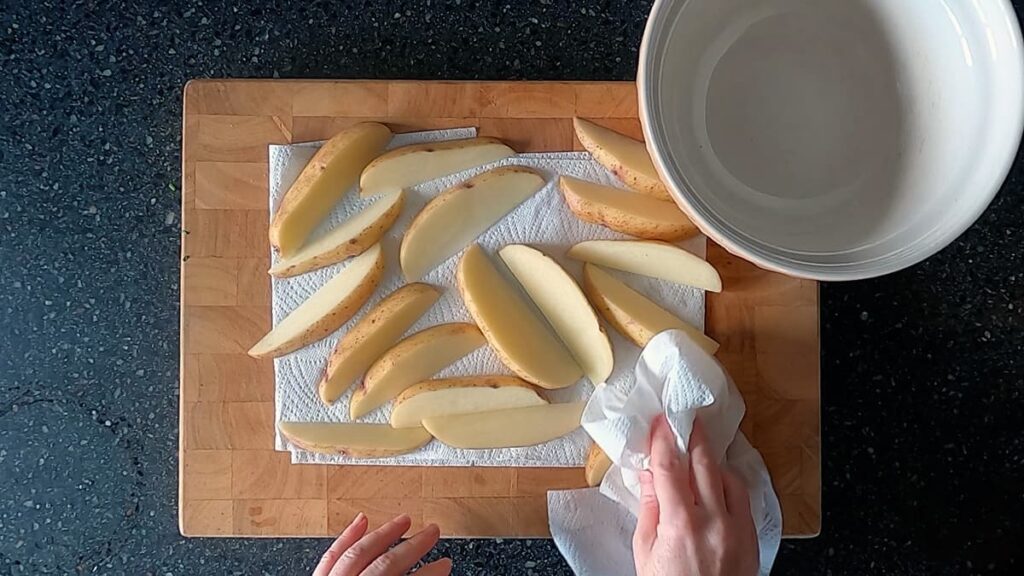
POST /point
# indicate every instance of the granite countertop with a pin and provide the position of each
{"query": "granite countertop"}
(922, 371)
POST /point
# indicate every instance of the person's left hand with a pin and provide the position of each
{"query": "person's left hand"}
(356, 553)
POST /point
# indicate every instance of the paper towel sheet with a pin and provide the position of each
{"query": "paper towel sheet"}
(542, 221)
(594, 528)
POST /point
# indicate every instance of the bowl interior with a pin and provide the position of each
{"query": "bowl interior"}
(833, 138)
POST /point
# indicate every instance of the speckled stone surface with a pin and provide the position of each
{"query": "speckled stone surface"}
(922, 393)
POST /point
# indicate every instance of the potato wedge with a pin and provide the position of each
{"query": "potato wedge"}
(454, 218)
(626, 212)
(448, 396)
(597, 465)
(624, 157)
(333, 170)
(327, 309)
(511, 428)
(562, 302)
(357, 440)
(633, 314)
(518, 335)
(650, 258)
(411, 165)
(350, 238)
(372, 336)
(412, 360)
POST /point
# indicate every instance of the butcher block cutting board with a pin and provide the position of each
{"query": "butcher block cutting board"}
(233, 483)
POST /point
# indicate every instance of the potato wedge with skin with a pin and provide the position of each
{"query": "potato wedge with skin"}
(633, 314)
(454, 218)
(650, 258)
(358, 440)
(412, 360)
(350, 238)
(411, 165)
(327, 309)
(518, 335)
(597, 465)
(624, 157)
(334, 169)
(448, 396)
(565, 306)
(624, 211)
(511, 428)
(372, 336)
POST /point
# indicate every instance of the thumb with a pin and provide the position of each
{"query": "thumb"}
(647, 519)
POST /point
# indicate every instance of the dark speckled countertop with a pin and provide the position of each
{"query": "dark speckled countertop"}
(922, 371)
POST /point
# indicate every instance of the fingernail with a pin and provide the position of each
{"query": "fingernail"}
(359, 518)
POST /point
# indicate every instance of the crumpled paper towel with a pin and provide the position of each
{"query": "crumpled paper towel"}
(593, 528)
(543, 221)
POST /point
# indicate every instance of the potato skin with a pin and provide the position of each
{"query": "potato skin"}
(596, 466)
(620, 220)
(336, 317)
(629, 175)
(350, 451)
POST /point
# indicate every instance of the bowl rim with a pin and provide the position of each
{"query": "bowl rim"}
(922, 248)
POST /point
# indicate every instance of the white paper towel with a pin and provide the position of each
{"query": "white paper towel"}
(593, 528)
(542, 221)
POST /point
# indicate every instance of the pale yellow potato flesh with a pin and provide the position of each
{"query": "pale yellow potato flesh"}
(358, 440)
(372, 336)
(350, 238)
(650, 258)
(412, 360)
(327, 309)
(624, 157)
(624, 211)
(511, 428)
(449, 396)
(518, 335)
(597, 465)
(631, 313)
(411, 165)
(454, 218)
(334, 169)
(565, 306)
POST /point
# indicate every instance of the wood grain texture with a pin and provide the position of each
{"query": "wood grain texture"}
(232, 483)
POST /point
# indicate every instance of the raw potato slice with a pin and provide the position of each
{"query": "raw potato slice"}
(517, 334)
(650, 258)
(632, 314)
(566, 308)
(351, 237)
(418, 163)
(353, 439)
(597, 465)
(372, 336)
(507, 428)
(449, 396)
(624, 157)
(327, 309)
(416, 358)
(624, 211)
(456, 217)
(333, 170)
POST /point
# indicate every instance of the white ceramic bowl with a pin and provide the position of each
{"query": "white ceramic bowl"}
(832, 139)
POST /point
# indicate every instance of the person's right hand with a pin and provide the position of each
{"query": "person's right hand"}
(694, 516)
(356, 553)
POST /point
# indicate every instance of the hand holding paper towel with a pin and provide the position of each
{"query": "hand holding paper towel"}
(676, 378)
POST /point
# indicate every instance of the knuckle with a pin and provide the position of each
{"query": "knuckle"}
(383, 565)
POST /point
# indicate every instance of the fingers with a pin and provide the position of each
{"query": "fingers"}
(737, 499)
(707, 475)
(442, 567)
(669, 470)
(349, 536)
(369, 547)
(647, 519)
(401, 558)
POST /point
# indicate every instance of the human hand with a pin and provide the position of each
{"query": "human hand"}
(694, 516)
(356, 553)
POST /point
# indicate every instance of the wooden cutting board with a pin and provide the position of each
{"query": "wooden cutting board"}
(233, 483)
